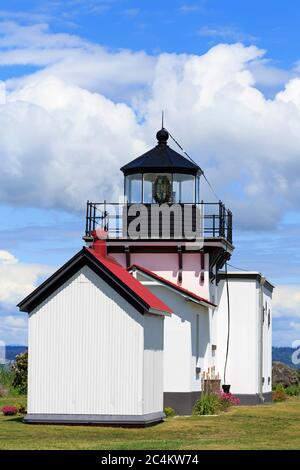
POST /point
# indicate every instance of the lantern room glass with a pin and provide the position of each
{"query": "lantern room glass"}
(133, 188)
(184, 188)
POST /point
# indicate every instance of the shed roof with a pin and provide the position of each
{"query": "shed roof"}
(181, 290)
(109, 270)
(248, 276)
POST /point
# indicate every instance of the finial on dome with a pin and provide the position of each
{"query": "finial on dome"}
(162, 135)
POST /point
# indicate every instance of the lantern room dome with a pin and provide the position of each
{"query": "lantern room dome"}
(161, 158)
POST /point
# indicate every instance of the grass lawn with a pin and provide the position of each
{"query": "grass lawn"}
(275, 426)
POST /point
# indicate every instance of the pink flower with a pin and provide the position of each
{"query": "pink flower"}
(228, 397)
(9, 410)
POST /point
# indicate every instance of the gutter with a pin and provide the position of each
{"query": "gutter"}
(260, 340)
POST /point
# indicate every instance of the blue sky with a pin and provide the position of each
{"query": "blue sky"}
(83, 83)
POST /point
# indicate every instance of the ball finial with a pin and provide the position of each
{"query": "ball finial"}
(162, 136)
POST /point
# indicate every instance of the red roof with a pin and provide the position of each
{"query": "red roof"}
(172, 284)
(131, 283)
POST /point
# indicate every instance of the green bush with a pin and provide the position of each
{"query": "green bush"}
(293, 390)
(169, 411)
(279, 395)
(20, 369)
(279, 388)
(21, 409)
(208, 404)
(6, 382)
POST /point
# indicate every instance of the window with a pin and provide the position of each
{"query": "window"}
(269, 318)
(133, 188)
(197, 189)
(183, 188)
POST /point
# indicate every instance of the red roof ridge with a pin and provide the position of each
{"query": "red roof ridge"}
(129, 281)
(171, 284)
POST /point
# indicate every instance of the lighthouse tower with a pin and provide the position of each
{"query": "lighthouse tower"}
(175, 244)
(164, 225)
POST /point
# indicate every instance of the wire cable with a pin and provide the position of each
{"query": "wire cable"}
(239, 269)
(226, 270)
(193, 161)
(228, 323)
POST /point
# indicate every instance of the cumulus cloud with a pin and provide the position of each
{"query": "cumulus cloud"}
(13, 322)
(286, 302)
(69, 126)
(7, 258)
(17, 280)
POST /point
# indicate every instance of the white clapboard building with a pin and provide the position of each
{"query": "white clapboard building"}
(146, 315)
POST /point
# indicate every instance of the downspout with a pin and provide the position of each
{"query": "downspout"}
(260, 340)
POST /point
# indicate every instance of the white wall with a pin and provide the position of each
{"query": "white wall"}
(180, 348)
(86, 351)
(242, 365)
(267, 342)
(153, 364)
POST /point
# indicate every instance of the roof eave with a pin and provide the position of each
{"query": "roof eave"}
(186, 295)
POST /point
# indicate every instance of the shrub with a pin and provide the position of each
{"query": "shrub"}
(6, 382)
(293, 390)
(227, 400)
(279, 388)
(279, 395)
(9, 410)
(21, 408)
(208, 404)
(169, 411)
(3, 391)
(19, 369)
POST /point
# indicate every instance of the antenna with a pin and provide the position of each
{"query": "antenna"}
(162, 119)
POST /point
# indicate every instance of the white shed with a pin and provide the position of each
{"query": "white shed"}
(249, 331)
(95, 345)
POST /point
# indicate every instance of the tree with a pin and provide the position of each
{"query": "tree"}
(20, 370)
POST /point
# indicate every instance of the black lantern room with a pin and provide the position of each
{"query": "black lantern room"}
(162, 175)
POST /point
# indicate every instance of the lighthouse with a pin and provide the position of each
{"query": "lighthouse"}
(147, 313)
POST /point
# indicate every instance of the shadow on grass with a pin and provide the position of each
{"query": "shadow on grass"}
(17, 419)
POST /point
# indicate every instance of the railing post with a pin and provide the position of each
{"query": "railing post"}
(104, 223)
(220, 218)
(86, 218)
(229, 234)
(90, 217)
(94, 216)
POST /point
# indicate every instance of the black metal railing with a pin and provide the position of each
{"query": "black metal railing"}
(216, 219)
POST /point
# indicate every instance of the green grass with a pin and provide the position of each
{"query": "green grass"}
(275, 426)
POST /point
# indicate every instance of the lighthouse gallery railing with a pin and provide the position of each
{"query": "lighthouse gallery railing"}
(217, 220)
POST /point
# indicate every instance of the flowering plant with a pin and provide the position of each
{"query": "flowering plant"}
(9, 410)
(227, 400)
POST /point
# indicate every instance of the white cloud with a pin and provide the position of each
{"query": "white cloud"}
(7, 258)
(286, 302)
(14, 322)
(74, 60)
(66, 129)
(225, 32)
(295, 325)
(17, 280)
